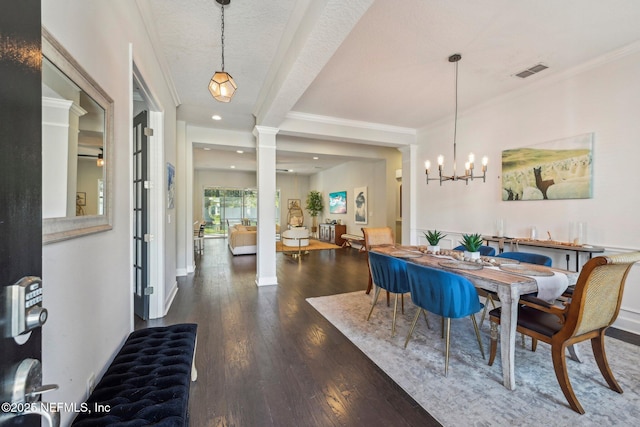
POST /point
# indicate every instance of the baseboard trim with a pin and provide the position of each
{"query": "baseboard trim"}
(266, 281)
(172, 296)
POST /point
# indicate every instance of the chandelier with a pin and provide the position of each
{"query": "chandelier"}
(222, 86)
(469, 165)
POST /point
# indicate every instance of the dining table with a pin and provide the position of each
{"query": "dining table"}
(508, 285)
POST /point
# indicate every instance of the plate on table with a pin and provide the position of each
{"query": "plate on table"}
(405, 254)
(461, 265)
(497, 261)
(527, 270)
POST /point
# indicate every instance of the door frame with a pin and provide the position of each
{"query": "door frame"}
(156, 199)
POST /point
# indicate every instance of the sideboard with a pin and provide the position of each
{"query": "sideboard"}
(332, 233)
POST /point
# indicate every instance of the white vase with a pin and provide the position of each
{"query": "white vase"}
(471, 255)
(433, 249)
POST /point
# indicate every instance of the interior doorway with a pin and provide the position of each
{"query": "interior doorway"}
(147, 247)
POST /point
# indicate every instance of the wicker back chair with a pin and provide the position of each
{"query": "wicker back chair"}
(592, 309)
(376, 236)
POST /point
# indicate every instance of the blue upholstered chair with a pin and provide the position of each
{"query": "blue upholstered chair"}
(484, 250)
(527, 257)
(388, 273)
(446, 294)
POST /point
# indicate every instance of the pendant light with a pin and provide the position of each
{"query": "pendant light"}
(468, 166)
(222, 86)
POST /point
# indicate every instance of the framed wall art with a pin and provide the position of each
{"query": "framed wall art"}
(360, 205)
(338, 202)
(560, 169)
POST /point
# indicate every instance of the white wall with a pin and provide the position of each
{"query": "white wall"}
(604, 100)
(87, 280)
(379, 178)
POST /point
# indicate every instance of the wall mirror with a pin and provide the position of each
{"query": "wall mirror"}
(77, 147)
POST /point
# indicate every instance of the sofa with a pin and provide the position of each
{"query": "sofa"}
(242, 239)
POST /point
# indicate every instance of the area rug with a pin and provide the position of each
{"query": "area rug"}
(472, 393)
(314, 245)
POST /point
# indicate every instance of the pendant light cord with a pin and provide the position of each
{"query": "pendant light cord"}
(222, 38)
(455, 122)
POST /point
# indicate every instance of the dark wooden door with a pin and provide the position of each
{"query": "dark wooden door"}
(20, 170)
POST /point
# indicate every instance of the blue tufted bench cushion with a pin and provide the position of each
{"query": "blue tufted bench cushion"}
(148, 381)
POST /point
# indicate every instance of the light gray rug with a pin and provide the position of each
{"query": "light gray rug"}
(472, 393)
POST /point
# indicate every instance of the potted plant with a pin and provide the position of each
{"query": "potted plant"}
(434, 237)
(471, 243)
(315, 205)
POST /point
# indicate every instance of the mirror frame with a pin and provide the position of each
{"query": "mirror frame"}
(58, 229)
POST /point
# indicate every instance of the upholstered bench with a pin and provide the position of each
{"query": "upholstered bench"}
(350, 239)
(148, 381)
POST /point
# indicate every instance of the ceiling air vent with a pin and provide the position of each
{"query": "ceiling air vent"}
(531, 71)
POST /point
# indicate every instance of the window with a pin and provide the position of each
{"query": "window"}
(234, 205)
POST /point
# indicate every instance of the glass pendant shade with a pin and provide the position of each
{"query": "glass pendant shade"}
(222, 86)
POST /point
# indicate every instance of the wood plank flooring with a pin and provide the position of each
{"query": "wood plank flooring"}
(265, 357)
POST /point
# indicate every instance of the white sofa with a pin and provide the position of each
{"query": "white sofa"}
(295, 237)
(242, 239)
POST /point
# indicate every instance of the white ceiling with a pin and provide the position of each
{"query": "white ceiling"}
(375, 61)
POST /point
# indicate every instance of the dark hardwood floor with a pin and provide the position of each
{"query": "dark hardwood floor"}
(265, 357)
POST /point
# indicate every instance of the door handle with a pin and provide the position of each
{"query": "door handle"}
(25, 388)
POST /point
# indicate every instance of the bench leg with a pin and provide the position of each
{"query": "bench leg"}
(194, 371)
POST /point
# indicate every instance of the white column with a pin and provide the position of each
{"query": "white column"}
(266, 177)
(410, 180)
(55, 157)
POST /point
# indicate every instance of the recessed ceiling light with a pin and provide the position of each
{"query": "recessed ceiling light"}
(239, 151)
(233, 167)
(206, 148)
(216, 117)
(315, 157)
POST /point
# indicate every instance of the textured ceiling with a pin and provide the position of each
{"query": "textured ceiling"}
(382, 61)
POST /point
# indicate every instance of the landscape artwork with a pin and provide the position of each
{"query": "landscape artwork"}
(338, 202)
(560, 169)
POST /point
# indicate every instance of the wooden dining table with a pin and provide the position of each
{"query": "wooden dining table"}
(508, 286)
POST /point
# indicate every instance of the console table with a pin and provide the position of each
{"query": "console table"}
(332, 233)
(546, 244)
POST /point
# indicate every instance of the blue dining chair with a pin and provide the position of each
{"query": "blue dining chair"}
(484, 250)
(527, 257)
(446, 294)
(390, 274)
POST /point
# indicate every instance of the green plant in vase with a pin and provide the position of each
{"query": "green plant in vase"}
(434, 237)
(472, 243)
(315, 205)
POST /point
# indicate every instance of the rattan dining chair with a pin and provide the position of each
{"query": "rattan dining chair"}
(390, 274)
(446, 294)
(593, 308)
(377, 236)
